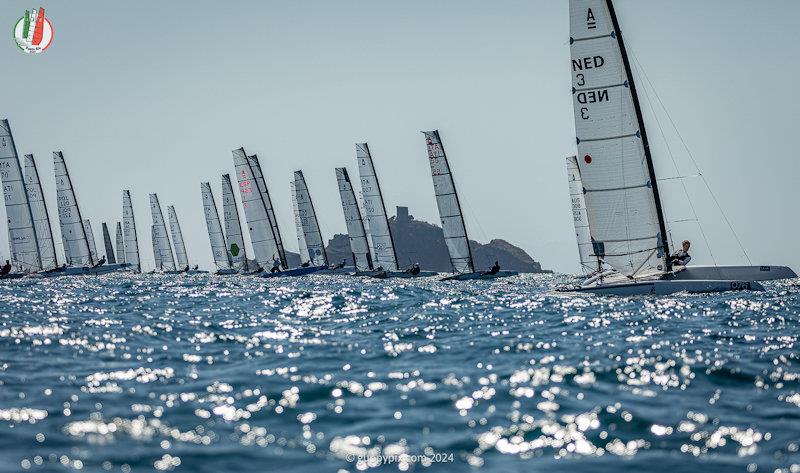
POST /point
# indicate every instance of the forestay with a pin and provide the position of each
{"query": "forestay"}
(41, 217)
(589, 263)
(120, 245)
(177, 238)
(355, 224)
(455, 232)
(215, 235)
(21, 230)
(233, 226)
(129, 232)
(162, 238)
(87, 227)
(110, 258)
(375, 210)
(255, 164)
(308, 219)
(262, 236)
(620, 188)
(298, 222)
(73, 233)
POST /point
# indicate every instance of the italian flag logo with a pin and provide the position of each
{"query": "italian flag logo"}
(33, 32)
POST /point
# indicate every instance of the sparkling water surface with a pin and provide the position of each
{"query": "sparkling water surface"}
(330, 373)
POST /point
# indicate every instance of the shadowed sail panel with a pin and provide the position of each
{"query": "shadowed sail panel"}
(162, 238)
(129, 232)
(41, 217)
(355, 224)
(177, 238)
(215, 235)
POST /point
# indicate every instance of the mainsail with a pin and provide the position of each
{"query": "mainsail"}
(355, 224)
(21, 228)
(378, 221)
(87, 227)
(625, 217)
(110, 258)
(298, 223)
(162, 238)
(455, 232)
(308, 218)
(233, 226)
(215, 235)
(262, 234)
(262, 187)
(41, 218)
(589, 262)
(129, 232)
(177, 238)
(120, 245)
(159, 263)
(73, 232)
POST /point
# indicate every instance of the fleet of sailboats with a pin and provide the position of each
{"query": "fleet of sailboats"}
(620, 226)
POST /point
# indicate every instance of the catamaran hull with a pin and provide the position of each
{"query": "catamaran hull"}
(479, 275)
(13, 275)
(294, 272)
(85, 270)
(661, 288)
(396, 274)
(735, 273)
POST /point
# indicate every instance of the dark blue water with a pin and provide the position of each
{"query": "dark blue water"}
(329, 373)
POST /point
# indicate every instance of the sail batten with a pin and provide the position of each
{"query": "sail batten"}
(262, 235)
(22, 236)
(355, 224)
(73, 231)
(453, 227)
(308, 218)
(375, 211)
(110, 257)
(623, 208)
(162, 238)
(215, 236)
(177, 238)
(129, 232)
(41, 217)
(233, 226)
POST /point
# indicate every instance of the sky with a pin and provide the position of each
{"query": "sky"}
(152, 98)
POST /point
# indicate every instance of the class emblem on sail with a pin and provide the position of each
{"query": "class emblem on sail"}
(33, 31)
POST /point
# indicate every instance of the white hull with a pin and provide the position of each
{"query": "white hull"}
(85, 270)
(733, 273)
(396, 274)
(480, 275)
(664, 287)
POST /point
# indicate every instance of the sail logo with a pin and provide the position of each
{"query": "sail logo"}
(33, 31)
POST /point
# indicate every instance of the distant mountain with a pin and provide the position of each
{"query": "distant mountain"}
(421, 242)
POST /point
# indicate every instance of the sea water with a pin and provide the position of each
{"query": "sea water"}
(337, 373)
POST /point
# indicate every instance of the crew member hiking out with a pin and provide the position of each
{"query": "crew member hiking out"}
(494, 269)
(6, 268)
(682, 257)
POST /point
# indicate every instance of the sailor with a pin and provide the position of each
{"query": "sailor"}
(306, 264)
(340, 265)
(101, 262)
(276, 266)
(5, 269)
(682, 257)
(414, 269)
(196, 266)
(186, 269)
(494, 269)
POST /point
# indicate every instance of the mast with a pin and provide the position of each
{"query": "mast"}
(648, 157)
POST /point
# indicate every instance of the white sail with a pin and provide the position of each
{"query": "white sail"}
(298, 223)
(177, 238)
(120, 245)
(308, 218)
(375, 211)
(355, 224)
(162, 238)
(41, 218)
(110, 257)
(159, 263)
(87, 227)
(129, 232)
(589, 263)
(262, 187)
(73, 232)
(262, 235)
(233, 226)
(21, 229)
(215, 235)
(620, 189)
(455, 232)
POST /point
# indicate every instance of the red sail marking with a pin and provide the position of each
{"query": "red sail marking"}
(39, 31)
(588, 159)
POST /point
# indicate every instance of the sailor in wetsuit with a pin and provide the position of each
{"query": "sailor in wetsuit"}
(276, 266)
(5, 269)
(340, 265)
(494, 269)
(414, 269)
(100, 263)
(682, 257)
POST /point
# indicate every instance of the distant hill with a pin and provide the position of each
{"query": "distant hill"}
(421, 242)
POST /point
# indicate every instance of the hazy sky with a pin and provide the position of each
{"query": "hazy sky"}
(153, 96)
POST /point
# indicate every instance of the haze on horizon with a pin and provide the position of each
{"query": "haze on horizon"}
(153, 99)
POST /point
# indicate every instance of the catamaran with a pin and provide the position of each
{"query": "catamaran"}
(453, 226)
(130, 240)
(219, 249)
(356, 232)
(233, 228)
(627, 228)
(165, 260)
(75, 231)
(180, 247)
(378, 221)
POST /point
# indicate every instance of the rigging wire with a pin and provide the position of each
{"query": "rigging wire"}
(694, 163)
